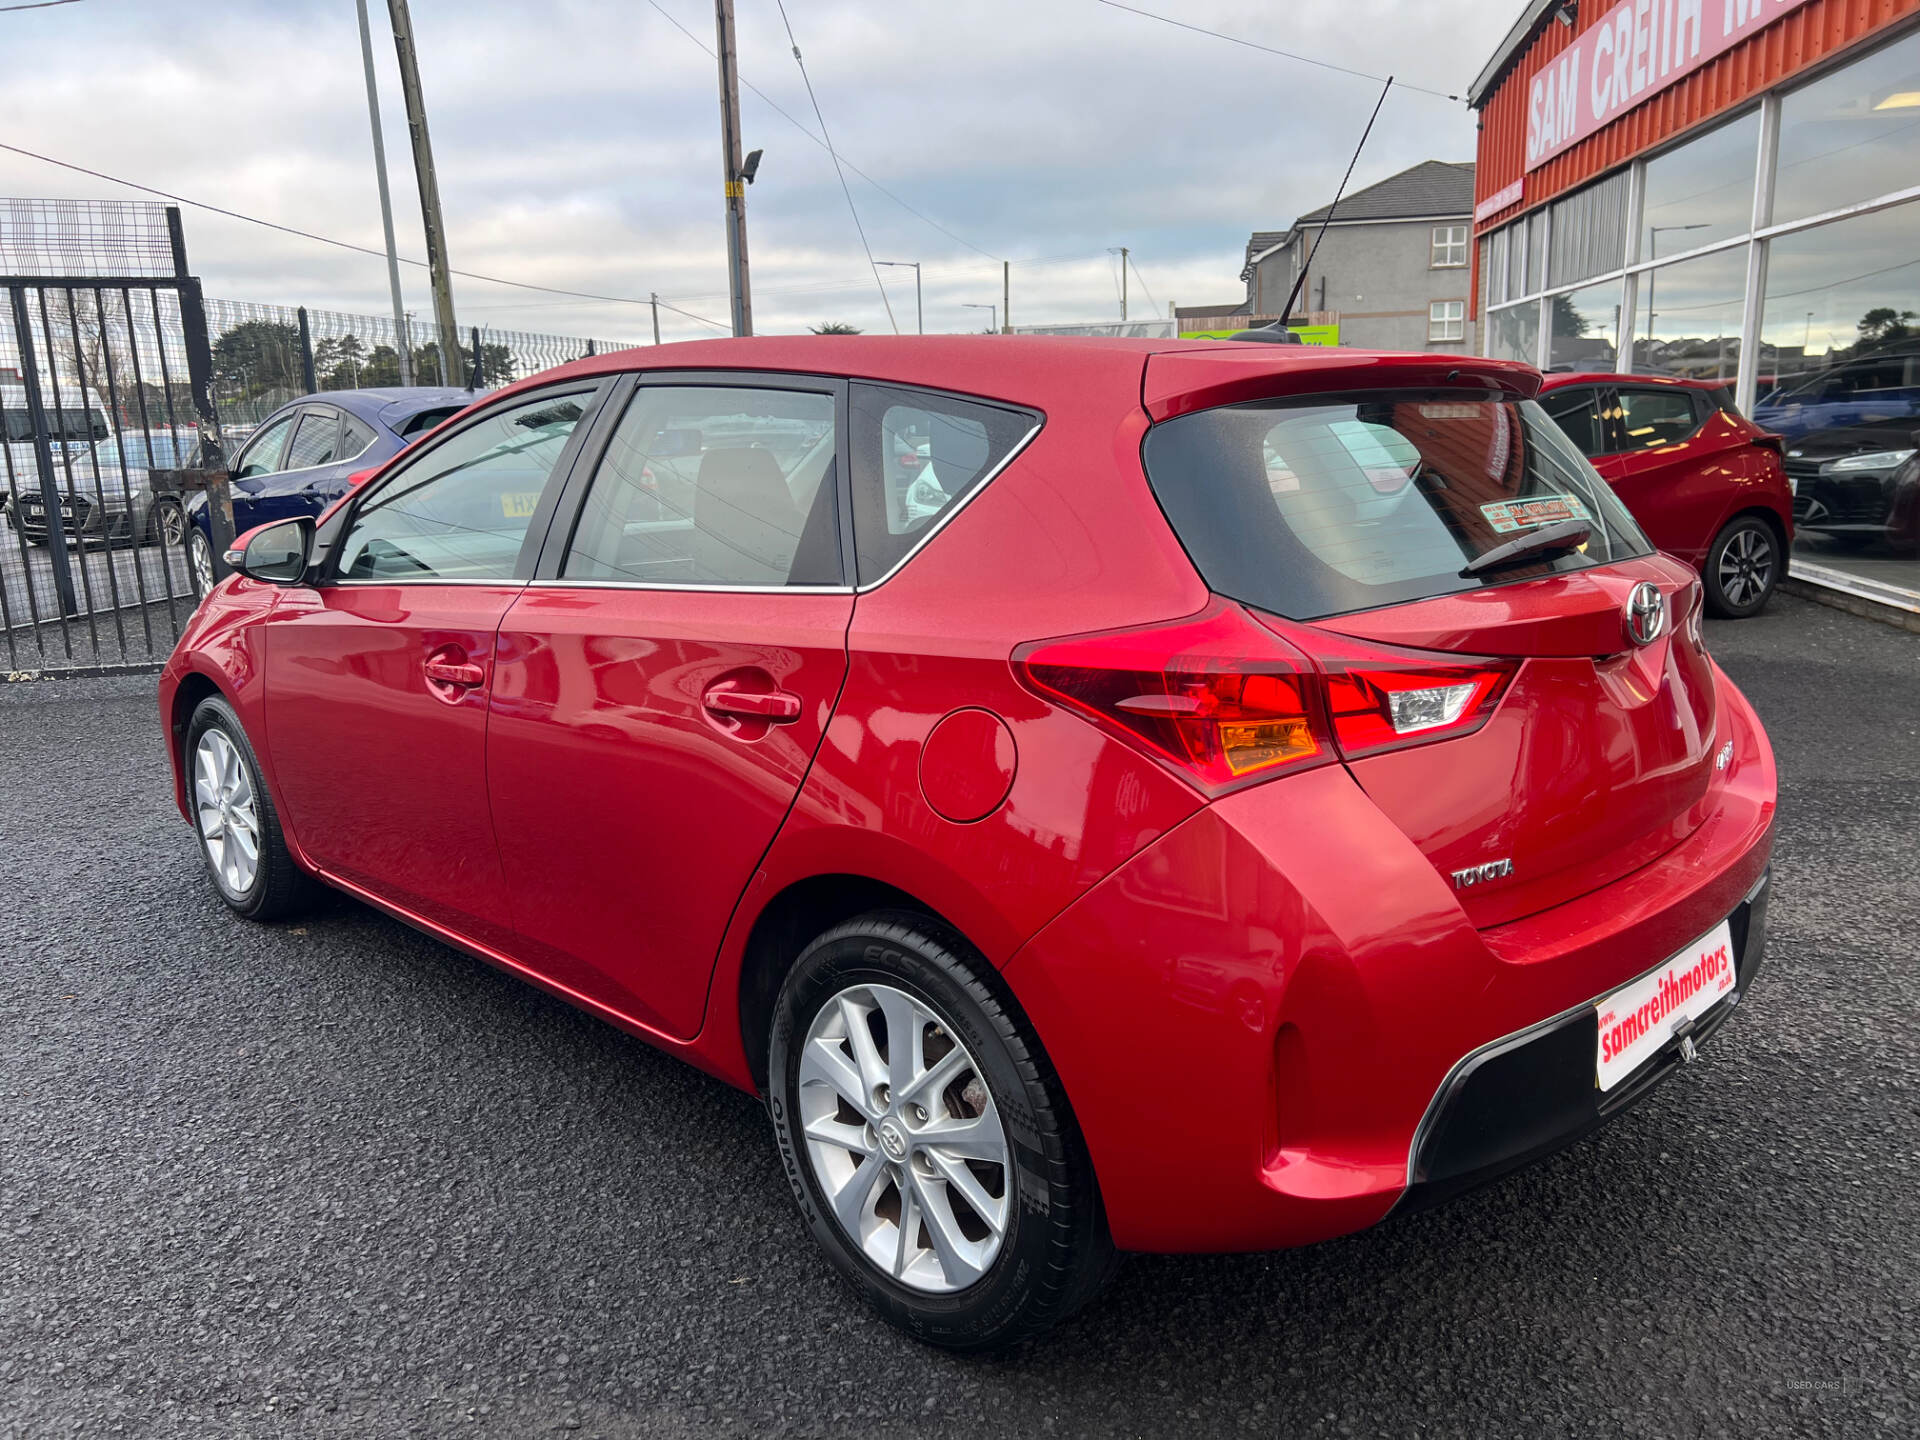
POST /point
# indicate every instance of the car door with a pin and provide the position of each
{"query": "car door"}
(311, 449)
(377, 677)
(1665, 470)
(662, 685)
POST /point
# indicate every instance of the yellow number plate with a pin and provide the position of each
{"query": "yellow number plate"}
(520, 504)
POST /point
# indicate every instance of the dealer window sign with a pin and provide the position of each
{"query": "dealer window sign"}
(1638, 49)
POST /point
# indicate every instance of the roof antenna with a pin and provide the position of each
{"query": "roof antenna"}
(1300, 280)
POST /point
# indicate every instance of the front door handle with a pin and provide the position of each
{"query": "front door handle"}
(461, 674)
(781, 707)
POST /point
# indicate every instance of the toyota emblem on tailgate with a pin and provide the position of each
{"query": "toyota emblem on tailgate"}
(1646, 614)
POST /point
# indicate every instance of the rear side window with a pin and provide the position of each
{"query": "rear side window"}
(316, 442)
(714, 485)
(1309, 509)
(1577, 412)
(916, 456)
(1652, 418)
(415, 426)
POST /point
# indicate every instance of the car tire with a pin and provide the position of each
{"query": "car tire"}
(1006, 1235)
(1743, 567)
(231, 807)
(199, 563)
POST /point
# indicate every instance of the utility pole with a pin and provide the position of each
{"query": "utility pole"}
(919, 312)
(1006, 295)
(429, 187)
(1123, 284)
(386, 199)
(653, 299)
(736, 186)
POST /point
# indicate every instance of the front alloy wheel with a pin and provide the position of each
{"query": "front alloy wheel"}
(927, 1138)
(170, 524)
(233, 815)
(200, 563)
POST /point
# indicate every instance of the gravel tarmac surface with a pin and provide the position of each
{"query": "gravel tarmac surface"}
(331, 1178)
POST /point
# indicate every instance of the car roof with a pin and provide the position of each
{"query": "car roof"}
(389, 404)
(1049, 370)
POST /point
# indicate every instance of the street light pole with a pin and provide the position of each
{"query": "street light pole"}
(736, 184)
(994, 316)
(919, 314)
(435, 227)
(386, 201)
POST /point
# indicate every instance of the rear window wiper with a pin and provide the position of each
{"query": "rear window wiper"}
(1554, 539)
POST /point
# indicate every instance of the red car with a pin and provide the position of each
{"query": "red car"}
(1270, 788)
(1705, 482)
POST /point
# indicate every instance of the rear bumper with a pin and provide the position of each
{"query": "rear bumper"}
(1276, 1020)
(1528, 1095)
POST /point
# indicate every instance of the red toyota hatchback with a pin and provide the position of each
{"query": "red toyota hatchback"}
(1704, 482)
(1212, 797)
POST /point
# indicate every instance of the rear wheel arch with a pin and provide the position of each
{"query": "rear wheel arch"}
(791, 921)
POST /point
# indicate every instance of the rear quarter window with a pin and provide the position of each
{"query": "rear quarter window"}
(1316, 508)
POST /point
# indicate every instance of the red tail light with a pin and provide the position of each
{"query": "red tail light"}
(1231, 701)
(1219, 697)
(1380, 697)
(360, 477)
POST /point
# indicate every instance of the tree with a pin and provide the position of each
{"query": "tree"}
(1883, 326)
(258, 355)
(834, 327)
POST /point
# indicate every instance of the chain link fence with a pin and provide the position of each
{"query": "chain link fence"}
(265, 355)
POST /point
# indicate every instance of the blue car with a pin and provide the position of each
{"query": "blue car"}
(300, 458)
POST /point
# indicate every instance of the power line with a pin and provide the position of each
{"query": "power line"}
(852, 209)
(774, 106)
(344, 244)
(37, 5)
(1143, 284)
(1268, 49)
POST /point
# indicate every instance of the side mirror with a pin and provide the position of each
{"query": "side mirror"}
(276, 553)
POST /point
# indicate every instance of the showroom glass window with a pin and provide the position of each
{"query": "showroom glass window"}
(1586, 328)
(1702, 191)
(1850, 135)
(1690, 315)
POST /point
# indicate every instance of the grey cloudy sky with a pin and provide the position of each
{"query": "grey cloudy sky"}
(577, 144)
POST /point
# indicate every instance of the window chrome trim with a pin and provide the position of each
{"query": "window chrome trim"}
(564, 583)
(505, 583)
(947, 515)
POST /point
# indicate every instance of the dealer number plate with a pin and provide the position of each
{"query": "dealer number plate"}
(1638, 1019)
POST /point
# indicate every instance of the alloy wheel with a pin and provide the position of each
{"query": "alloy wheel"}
(173, 525)
(228, 814)
(200, 559)
(904, 1138)
(1746, 566)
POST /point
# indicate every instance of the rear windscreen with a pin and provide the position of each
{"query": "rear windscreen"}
(1315, 508)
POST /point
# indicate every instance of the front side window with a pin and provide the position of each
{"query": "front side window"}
(316, 442)
(460, 511)
(1318, 508)
(1449, 247)
(262, 455)
(714, 485)
(1652, 418)
(1447, 320)
(915, 457)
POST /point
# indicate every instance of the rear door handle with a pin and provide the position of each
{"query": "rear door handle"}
(779, 706)
(463, 674)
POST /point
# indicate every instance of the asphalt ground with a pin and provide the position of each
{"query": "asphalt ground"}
(331, 1178)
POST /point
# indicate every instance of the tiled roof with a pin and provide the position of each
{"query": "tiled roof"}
(1433, 187)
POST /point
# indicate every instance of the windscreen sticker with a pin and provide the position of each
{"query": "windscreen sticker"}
(1506, 516)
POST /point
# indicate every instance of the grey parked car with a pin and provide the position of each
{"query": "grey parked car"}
(106, 490)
